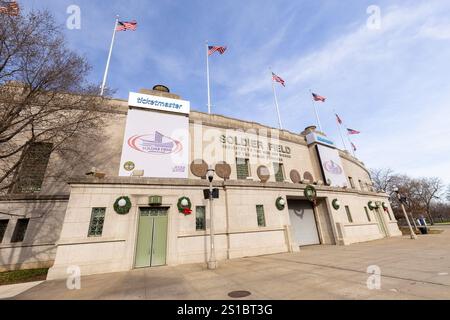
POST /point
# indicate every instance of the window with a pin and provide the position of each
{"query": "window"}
(3, 226)
(97, 220)
(349, 215)
(242, 168)
(361, 185)
(19, 230)
(278, 169)
(31, 174)
(200, 218)
(260, 215)
(367, 214)
(352, 185)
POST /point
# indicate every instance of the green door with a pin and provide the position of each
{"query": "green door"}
(152, 237)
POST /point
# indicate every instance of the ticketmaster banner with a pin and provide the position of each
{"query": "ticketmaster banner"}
(158, 103)
(157, 143)
(332, 166)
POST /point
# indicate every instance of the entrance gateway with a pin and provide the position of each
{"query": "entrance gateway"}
(152, 237)
(303, 221)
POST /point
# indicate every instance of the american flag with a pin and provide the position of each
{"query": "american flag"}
(125, 25)
(339, 120)
(354, 147)
(318, 97)
(351, 131)
(278, 79)
(212, 49)
(9, 7)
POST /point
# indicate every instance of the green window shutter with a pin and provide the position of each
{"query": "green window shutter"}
(260, 216)
(367, 214)
(242, 168)
(200, 218)
(97, 221)
(278, 169)
(349, 215)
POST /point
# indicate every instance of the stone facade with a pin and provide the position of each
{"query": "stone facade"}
(60, 214)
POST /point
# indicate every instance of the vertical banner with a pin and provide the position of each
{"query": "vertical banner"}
(332, 165)
(157, 143)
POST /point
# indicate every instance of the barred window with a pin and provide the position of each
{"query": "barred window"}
(31, 173)
(260, 216)
(367, 214)
(349, 215)
(200, 218)
(278, 169)
(352, 184)
(19, 230)
(97, 221)
(3, 226)
(242, 168)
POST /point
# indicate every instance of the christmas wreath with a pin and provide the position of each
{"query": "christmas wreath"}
(372, 205)
(122, 205)
(184, 205)
(336, 204)
(280, 203)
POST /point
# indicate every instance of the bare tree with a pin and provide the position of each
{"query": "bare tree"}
(427, 191)
(448, 193)
(383, 179)
(44, 95)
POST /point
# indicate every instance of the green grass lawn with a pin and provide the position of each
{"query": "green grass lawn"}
(20, 276)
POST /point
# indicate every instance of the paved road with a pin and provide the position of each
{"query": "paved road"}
(410, 270)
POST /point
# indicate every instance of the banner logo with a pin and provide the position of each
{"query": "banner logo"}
(332, 167)
(155, 143)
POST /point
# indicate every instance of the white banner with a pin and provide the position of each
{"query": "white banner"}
(158, 103)
(332, 166)
(157, 143)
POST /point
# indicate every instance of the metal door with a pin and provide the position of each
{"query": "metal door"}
(303, 222)
(381, 224)
(152, 237)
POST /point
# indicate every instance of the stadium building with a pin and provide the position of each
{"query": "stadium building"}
(137, 199)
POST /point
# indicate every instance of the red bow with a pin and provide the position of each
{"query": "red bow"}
(187, 211)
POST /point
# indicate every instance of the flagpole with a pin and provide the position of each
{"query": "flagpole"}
(109, 57)
(340, 130)
(207, 78)
(276, 101)
(353, 150)
(315, 110)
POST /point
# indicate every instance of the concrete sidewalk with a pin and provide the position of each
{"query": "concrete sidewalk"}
(12, 290)
(409, 270)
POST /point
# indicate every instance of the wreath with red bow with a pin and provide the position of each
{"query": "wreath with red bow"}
(186, 210)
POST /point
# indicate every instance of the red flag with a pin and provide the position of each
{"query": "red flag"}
(278, 79)
(125, 25)
(339, 120)
(10, 8)
(212, 49)
(351, 131)
(318, 97)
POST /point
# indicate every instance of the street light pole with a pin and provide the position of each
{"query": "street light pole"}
(212, 263)
(401, 200)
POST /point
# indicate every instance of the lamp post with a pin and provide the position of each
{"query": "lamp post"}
(402, 200)
(212, 263)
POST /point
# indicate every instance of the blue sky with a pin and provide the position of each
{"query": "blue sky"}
(391, 83)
